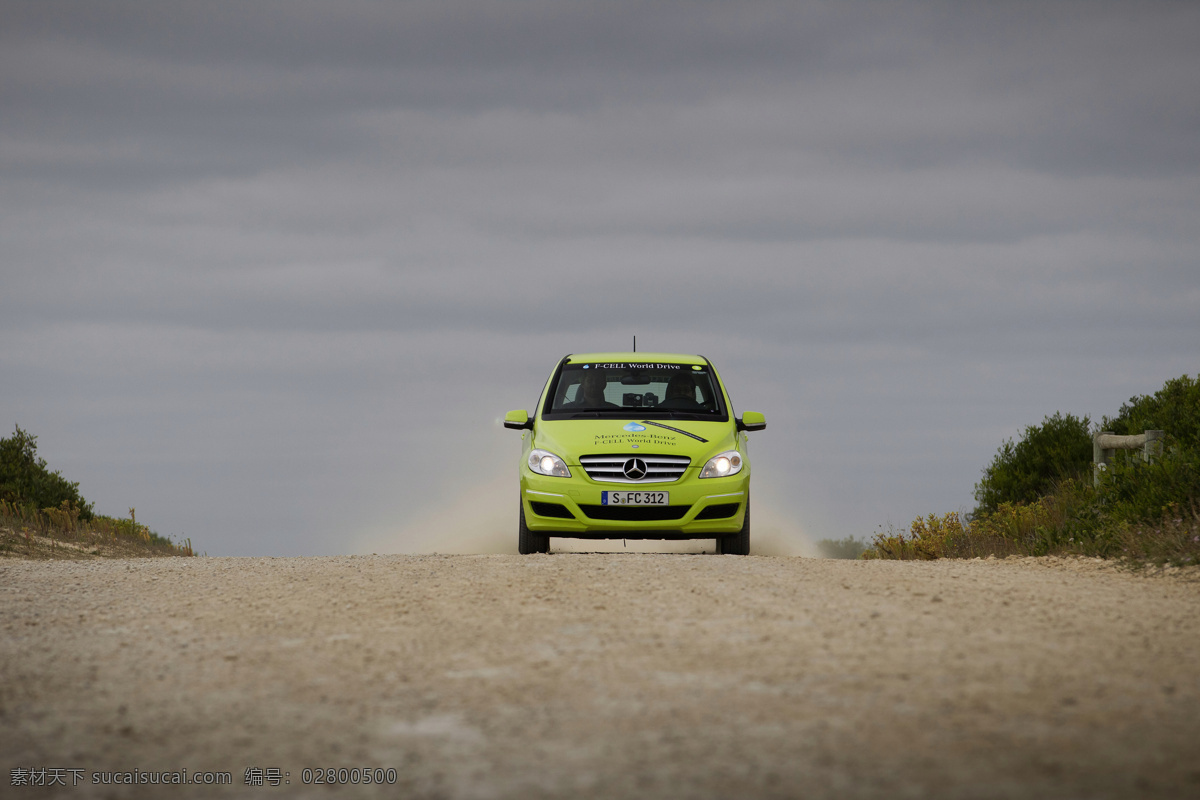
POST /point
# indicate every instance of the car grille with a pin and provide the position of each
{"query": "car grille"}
(612, 468)
(636, 513)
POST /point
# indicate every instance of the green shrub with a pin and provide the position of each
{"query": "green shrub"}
(1135, 491)
(929, 538)
(1059, 449)
(1037, 496)
(1175, 409)
(1069, 519)
(25, 479)
(1143, 493)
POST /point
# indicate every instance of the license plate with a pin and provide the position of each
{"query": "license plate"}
(635, 498)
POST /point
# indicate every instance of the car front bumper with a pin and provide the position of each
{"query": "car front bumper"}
(579, 496)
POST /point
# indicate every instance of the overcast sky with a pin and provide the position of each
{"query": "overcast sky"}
(271, 272)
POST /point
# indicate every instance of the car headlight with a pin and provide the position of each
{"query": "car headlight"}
(723, 465)
(546, 463)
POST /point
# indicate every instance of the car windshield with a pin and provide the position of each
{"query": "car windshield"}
(678, 391)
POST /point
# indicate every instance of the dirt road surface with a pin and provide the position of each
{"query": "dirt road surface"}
(602, 675)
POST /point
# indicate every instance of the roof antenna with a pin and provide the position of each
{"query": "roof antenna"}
(635, 343)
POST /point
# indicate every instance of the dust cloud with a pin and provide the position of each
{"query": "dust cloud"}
(485, 523)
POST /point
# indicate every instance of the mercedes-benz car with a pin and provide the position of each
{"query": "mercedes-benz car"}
(634, 446)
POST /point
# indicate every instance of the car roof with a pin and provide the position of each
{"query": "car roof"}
(635, 358)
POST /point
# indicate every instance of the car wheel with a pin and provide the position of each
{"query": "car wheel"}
(739, 543)
(528, 541)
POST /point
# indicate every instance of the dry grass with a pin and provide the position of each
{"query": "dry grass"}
(1064, 524)
(59, 533)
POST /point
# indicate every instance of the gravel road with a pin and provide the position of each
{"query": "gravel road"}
(605, 675)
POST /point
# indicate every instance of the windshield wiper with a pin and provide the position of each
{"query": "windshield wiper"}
(679, 413)
(697, 437)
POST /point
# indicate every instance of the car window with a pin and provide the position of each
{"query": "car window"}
(621, 388)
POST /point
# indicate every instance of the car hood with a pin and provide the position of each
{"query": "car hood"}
(572, 438)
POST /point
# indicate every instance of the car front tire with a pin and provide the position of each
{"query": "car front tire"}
(528, 541)
(739, 543)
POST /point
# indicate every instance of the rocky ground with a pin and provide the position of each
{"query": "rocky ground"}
(602, 675)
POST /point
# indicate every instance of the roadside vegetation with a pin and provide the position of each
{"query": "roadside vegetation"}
(1038, 496)
(42, 514)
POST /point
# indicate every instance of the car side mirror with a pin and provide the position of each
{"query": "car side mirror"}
(752, 421)
(518, 420)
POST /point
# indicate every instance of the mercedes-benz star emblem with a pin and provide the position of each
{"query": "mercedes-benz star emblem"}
(635, 469)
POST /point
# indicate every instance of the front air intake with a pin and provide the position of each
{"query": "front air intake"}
(635, 513)
(719, 511)
(555, 510)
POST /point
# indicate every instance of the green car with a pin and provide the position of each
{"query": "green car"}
(635, 446)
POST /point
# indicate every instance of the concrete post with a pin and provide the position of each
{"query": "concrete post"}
(1099, 457)
(1105, 445)
(1153, 448)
